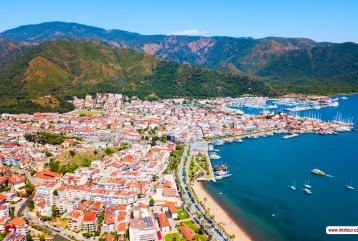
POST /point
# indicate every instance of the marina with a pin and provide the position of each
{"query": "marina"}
(263, 169)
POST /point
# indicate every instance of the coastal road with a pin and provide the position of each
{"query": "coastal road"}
(194, 207)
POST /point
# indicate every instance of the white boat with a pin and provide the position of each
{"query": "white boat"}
(221, 171)
(292, 187)
(213, 155)
(308, 191)
(218, 142)
(210, 147)
(239, 140)
(307, 185)
(349, 186)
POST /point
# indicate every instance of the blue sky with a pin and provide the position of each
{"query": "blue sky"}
(321, 20)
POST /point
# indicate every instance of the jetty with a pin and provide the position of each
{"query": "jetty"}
(290, 136)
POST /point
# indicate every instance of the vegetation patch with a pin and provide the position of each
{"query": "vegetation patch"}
(88, 112)
(46, 138)
(70, 160)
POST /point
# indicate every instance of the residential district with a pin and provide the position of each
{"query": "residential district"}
(113, 169)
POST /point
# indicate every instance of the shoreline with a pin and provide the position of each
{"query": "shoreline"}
(221, 215)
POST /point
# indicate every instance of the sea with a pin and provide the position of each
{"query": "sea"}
(257, 194)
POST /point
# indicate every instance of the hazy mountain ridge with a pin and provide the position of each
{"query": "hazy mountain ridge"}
(247, 54)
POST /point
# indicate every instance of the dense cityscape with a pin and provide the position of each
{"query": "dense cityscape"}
(119, 168)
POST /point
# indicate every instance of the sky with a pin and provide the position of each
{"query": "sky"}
(320, 20)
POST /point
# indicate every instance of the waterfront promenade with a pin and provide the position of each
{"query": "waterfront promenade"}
(199, 214)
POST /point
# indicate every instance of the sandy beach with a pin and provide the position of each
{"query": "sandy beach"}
(220, 214)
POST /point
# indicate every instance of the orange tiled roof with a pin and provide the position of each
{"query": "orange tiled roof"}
(187, 232)
(163, 220)
(47, 175)
(121, 227)
(17, 222)
(89, 217)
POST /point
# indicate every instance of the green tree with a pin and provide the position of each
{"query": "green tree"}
(55, 211)
(28, 237)
(151, 202)
(72, 153)
(29, 188)
(12, 212)
(55, 192)
(30, 205)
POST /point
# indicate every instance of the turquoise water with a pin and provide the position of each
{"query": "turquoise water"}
(263, 168)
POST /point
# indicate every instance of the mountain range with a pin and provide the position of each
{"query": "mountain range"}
(79, 58)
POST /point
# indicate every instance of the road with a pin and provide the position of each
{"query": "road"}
(194, 209)
(64, 233)
(21, 210)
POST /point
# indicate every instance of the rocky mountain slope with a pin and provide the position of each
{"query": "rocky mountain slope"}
(45, 76)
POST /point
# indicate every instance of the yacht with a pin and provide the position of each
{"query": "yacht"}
(307, 185)
(318, 172)
(349, 186)
(221, 171)
(308, 191)
(213, 155)
(292, 187)
(239, 140)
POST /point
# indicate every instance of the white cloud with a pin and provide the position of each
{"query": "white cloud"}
(191, 32)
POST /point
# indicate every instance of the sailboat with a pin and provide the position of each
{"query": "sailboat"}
(308, 191)
(292, 187)
(307, 185)
(349, 186)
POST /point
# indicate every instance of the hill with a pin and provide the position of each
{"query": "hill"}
(45, 76)
(10, 50)
(327, 70)
(284, 63)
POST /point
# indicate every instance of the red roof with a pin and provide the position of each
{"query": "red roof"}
(121, 216)
(17, 222)
(163, 220)
(97, 205)
(17, 179)
(109, 237)
(121, 228)
(108, 219)
(89, 217)
(47, 175)
(172, 208)
(187, 232)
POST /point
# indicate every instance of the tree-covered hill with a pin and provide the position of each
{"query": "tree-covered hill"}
(289, 64)
(45, 76)
(328, 69)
